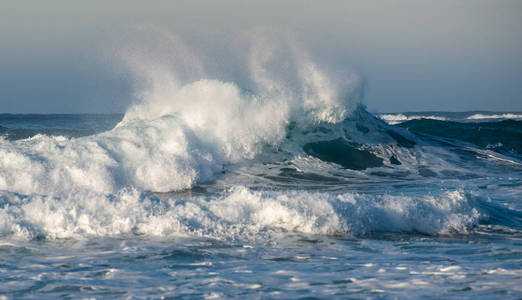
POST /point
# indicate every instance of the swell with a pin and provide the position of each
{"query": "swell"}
(502, 136)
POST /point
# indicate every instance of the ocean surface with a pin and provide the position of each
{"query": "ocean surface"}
(251, 202)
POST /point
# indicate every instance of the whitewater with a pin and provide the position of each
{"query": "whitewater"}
(282, 186)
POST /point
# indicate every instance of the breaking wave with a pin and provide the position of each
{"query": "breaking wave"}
(296, 123)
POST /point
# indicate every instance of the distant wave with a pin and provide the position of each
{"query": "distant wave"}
(397, 118)
(393, 119)
(504, 136)
(495, 116)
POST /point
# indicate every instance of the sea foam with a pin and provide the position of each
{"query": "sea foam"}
(237, 214)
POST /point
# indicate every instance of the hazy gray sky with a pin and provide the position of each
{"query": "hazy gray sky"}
(55, 56)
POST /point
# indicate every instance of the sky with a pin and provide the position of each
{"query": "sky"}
(60, 56)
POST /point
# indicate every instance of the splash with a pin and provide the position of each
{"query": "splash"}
(183, 127)
(186, 128)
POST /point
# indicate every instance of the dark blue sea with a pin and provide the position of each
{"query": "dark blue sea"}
(250, 198)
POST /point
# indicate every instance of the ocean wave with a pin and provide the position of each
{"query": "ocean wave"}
(495, 116)
(211, 124)
(238, 214)
(397, 118)
(182, 133)
(501, 136)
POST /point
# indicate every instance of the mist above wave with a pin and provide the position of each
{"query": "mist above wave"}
(184, 127)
